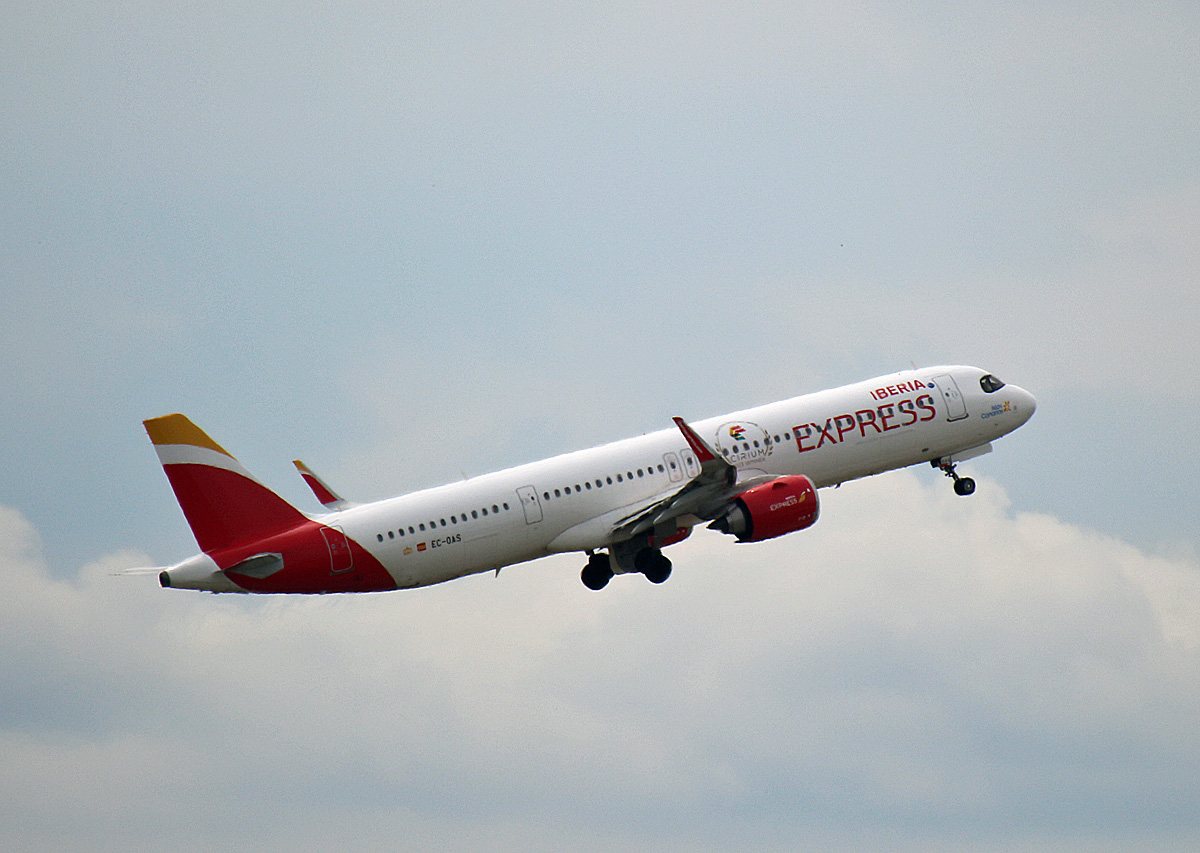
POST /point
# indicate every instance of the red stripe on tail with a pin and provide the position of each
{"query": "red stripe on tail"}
(225, 508)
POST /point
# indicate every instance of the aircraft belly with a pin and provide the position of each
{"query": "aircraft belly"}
(440, 560)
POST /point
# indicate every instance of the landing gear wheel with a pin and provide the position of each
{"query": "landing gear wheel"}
(962, 485)
(596, 574)
(653, 564)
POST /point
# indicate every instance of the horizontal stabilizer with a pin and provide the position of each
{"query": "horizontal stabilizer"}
(259, 566)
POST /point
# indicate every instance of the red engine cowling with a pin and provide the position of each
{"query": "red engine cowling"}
(772, 509)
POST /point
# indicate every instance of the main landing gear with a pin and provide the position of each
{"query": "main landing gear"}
(650, 562)
(962, 485)
(653, 564)
(596, 574)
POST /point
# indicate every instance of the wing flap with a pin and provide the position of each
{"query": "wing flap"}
(702, 497)
(603, 529)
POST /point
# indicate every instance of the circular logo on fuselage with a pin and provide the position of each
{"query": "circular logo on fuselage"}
(743, 442)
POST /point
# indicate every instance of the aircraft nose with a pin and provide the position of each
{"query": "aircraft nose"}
(1026, 403)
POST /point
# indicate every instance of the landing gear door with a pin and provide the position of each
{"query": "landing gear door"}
(530, 503)
(956, 407)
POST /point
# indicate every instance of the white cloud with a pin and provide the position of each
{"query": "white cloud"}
(917, 666)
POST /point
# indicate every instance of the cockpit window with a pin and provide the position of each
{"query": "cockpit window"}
(990, 384)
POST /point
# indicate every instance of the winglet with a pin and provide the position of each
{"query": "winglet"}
(325, 495)
(703, 452)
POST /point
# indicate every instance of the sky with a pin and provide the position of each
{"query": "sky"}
(412, 242)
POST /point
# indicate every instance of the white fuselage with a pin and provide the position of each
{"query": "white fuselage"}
(572, 502)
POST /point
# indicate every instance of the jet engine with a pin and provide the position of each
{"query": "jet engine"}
(772, 509)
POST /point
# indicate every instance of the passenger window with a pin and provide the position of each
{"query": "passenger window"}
(422, 526)
(506, 507)
(379, 537)
(599, 484)
(495, 508)
(588, 485)
(474, 513)
(454, 519)
(391, 535)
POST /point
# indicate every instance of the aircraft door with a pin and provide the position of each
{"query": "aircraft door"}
(530, 503)
(956, 407)
(690, 465)
(340, 557)
(673, 469)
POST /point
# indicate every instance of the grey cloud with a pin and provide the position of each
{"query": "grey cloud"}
(915, 665)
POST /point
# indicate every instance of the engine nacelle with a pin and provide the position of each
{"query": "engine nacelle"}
(772, 509)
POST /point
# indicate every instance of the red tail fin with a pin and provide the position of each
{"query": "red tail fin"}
(223, 504)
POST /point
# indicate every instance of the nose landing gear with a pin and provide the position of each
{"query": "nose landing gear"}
(962, 485)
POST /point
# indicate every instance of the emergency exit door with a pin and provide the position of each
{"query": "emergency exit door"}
(956, 407)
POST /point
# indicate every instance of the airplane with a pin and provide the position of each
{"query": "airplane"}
(752, 474)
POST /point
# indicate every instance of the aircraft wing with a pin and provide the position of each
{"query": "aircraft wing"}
(703, 497)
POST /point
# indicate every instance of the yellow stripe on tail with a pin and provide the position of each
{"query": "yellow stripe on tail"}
(177, 429)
